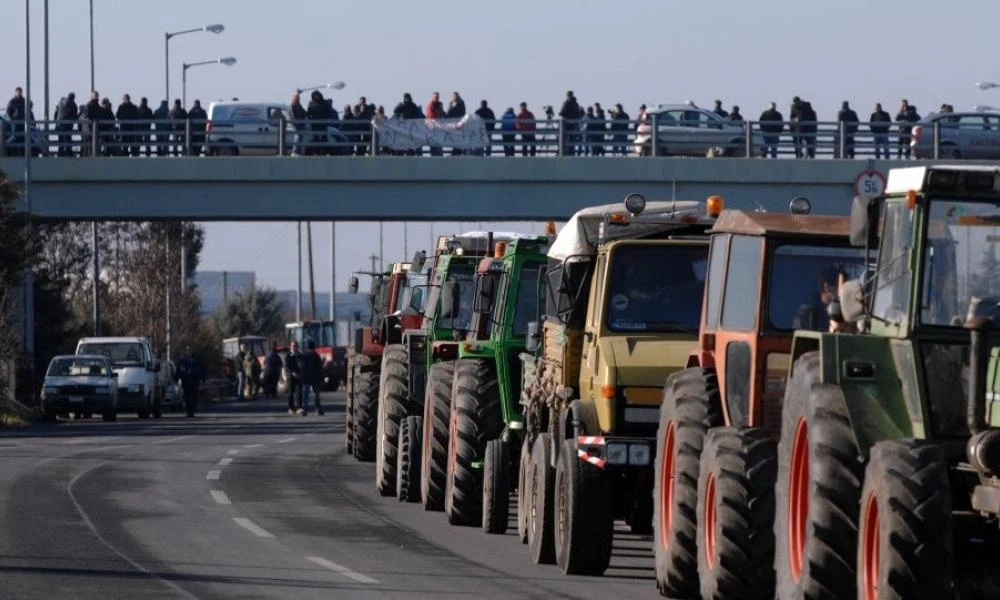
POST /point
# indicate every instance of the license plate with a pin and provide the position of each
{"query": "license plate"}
(75, 398)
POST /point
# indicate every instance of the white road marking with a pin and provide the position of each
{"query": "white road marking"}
(213, 474)
(286, 440)
(327, 564)
(252, 527)
(220, 497)
(225, 462)
(253, 445)
(169, 440)
(83, 441)
(233, 452)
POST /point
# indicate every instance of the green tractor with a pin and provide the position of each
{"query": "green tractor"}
(485, 425)
(888, 479)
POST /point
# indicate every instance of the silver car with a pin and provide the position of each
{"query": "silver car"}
(962, 135)
(82, 384)
(687, 130)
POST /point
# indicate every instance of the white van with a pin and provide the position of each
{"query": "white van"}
(237, 128)
(132, 359)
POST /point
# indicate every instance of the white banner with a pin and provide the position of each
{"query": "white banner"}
(469, 132)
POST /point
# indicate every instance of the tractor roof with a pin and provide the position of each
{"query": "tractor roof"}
(781, 224)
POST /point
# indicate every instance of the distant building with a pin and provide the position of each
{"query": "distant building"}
(215, 287)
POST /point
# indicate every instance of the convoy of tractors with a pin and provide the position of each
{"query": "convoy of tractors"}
(793, 405)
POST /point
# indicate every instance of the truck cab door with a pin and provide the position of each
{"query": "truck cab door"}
(590, 368)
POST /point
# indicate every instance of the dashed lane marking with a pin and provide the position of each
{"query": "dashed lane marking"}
(220, 497)
(252, 527)
(328, 564)
(253, 445)
(213, 474)
(233, 452)
(225, 462)
(286, 440)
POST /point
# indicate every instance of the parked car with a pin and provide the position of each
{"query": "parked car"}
(132, 359)
(237, 128)
(13, 137)
(687, 130)
(962, 135)
(82, 384)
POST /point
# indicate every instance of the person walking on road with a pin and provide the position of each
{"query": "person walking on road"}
(251, 372)
(293, 375)
(241, 378)
(312, 376)
(272, 372)
(191, 373)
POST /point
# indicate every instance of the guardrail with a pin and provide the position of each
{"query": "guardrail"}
(556, 137)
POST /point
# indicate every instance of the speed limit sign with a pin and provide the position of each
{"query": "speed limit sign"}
(869, 184)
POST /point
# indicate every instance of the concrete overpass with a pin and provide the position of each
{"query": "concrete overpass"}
(414, 188)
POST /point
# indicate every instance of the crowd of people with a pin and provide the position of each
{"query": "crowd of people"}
(301, 371)
(134, 130)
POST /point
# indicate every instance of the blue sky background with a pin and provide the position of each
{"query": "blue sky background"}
(631, 51)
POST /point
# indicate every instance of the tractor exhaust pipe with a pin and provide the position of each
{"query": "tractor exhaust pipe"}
(975, 405)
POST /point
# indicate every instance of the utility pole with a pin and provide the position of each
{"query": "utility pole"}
(93, 86)
(406, 245)
(166, 281)
(374, 259)
(45, 59)
(298, 290)
(381, 262)
(97, 280)
(312, 281)
(29, 273)
(333, 278)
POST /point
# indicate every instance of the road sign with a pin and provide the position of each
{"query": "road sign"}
(869, 184)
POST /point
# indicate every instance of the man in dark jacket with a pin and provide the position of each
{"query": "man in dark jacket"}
(93, 116)
(191, 373)
(906, 114)
(771, 125)
(808, 127)
(178, 116)
(849, 118)
(144, 124)
(293, 375)
(318, 111)
(163, 129)
(571, 114)
(66, 114)
(880, 121)
(312, 376)
(794, 116)
(489, 118)
(719, 110)
(272, 372)
(619, 125)
(126, 114)
(508, 127)
(198, 118)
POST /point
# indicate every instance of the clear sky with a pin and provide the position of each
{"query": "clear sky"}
(745, 52)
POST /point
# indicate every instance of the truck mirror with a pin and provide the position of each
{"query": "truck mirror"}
(417, 264)
(864, 215)
(449, 299)
(533, 338)
(352, 285)
(852, 301)
(484, 296)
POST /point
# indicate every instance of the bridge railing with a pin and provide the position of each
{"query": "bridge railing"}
(551, 137)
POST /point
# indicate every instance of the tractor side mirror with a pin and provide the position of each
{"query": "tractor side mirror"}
(417, 264)
(352, 284)
(852, 301)
(484, 298)
(864, 221)
(983, 313)
(449, 299)
(533, 338)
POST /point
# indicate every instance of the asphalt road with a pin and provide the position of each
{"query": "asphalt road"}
(246, 502)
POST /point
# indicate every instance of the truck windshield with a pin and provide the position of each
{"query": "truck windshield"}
(960, 261)
(121, 354)
(320, 333)
(656, 288)
(804, 280)
(526, 304)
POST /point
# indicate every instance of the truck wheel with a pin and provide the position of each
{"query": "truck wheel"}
(110, 416)
(392, 409)
(437, 416)
(584, 527)
(540, 512)
(476, 418)
(523, 490)
(905, 541)
(408, 463)
(366, 380)
(736, 514)
(690, 408)
(818, 493)
(496, 487)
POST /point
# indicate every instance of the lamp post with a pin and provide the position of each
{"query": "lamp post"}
(336, 85)
(215, 28)
(985, 85)
(228, 61)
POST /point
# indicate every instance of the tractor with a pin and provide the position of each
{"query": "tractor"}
(769, 274)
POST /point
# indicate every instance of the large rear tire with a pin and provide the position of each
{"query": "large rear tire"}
(496, 487)
(818, 493)
(366, 380)
(393, 407)
(584, 527)
(437, 416)
(408, 465)
(476, 418)
(905, 542)
(691, 407)
(349, 409)
(541, 533)
(736, 514)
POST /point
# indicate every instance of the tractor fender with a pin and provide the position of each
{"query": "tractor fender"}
(583, 418)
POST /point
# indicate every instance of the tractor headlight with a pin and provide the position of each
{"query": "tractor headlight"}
(638, 454)
(617, 454)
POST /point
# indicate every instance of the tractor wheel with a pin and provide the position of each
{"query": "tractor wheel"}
(349, 411)
(523, 490)
(584, 526)
(393, 407)
(905, 541)
(496, 487)
(690, 408)
(736, 514)
(365, 400)
(408, 463)
(476, 418)
(437, 416)
(540, 513)
(818, 493)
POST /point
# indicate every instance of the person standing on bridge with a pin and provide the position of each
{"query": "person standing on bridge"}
(126, 114)
(312, 376)
(162, 114)
(66, 114)
(144, 125)
(489, 118)
(178, 118)
(879, 122)
(435, 110)
(191, 373)
(526, 125)
(293, 375)
(771, 125)
(508, 130)
(198, 118)
(849, 120)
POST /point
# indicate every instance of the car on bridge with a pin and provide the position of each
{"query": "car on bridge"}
(688, 130)
(81, 384)
(237, 128)
(974, 134)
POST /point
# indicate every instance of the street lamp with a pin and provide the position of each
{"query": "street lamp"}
(337, 85)
(214, 28)
(228, 61)
(985, 85)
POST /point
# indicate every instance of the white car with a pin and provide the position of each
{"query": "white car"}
(132, 360)
(687, 130)
(237, 128)
(81, 384)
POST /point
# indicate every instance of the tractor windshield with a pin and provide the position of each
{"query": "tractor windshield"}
(526, 306)
(320, 333)
(960, 260)
(892, 286)
(804, 280)
(656, 288)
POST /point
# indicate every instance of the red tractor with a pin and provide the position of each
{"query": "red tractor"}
(324, 334)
